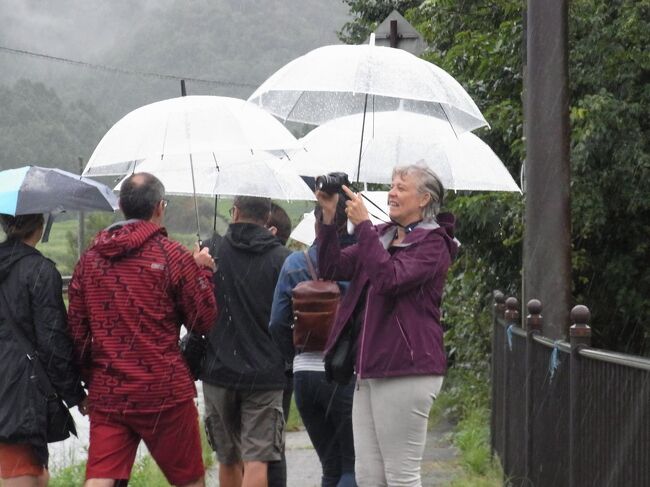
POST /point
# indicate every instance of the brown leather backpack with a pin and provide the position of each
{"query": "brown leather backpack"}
(315, 304)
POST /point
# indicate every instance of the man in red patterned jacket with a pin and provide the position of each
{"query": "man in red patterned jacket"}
(130, 293)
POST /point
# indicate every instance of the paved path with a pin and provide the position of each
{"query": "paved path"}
(303, 467)
(439, 464)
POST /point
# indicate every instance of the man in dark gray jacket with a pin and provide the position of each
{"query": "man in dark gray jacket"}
(243, 374)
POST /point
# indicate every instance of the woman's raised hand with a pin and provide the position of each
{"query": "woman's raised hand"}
(354, 207)
(328, 203)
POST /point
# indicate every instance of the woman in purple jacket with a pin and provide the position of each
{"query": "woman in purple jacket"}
(397, 273)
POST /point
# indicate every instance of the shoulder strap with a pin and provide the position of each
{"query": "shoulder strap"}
(28, 348)
(310, 265)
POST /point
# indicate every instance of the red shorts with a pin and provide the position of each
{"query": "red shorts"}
(19, 459)
(172, 437)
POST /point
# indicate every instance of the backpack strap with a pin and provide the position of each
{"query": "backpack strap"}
(310, 265)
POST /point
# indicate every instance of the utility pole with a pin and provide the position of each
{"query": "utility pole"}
(547, 230)
(81, 234)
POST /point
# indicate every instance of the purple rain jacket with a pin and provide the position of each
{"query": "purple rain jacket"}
(401, 333)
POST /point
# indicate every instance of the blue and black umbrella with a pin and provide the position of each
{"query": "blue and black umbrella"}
(33, 189)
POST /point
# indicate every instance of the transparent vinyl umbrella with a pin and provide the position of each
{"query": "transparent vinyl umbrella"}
(226, 128)
(334, 81)
(462, 162)
(267, 177)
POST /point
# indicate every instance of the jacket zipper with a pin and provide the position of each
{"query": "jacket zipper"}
(363, 332)
(408, 345)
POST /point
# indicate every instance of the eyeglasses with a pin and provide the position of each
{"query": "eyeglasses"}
(165, 203)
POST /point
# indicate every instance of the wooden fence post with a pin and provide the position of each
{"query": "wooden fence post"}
(534, 324)
(512, 318)
(580, 337)
(498, 311)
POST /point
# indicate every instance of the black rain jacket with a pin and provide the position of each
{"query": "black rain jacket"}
(241, 354)
(32, 286)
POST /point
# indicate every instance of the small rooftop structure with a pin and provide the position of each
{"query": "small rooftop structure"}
(395, 31)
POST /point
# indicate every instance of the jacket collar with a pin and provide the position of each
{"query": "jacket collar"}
(387, 233)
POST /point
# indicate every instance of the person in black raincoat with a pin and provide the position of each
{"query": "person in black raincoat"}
(244, 372)
(32, 287)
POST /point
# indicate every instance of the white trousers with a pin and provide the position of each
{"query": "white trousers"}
(389, 420)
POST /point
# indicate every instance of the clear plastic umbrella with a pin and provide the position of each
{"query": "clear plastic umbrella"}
(462, 162)
(339, 80)
(227, 128)
(266, 177)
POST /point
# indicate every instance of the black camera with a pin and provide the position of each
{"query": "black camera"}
(331, 183)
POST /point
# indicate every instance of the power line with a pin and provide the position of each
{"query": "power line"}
(129, 72)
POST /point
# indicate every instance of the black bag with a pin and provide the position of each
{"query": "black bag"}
(59, 420)
(193, 348)
(340, 359)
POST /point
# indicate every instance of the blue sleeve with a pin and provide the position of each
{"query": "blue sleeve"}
(280, 325)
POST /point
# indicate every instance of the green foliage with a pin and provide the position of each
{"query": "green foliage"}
(465, 400)
(36, 127)
(481, 44)
(473, 441)
(146, 473)
(68, 476)
(610, 152)
(93, 223)
(294, 423)
(57, 247)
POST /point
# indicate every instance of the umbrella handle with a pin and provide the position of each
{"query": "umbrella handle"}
(351, 226)
(48, 226)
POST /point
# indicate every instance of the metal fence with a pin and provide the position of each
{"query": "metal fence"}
(565, 414)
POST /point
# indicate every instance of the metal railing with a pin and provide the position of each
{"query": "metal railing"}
(565, 414)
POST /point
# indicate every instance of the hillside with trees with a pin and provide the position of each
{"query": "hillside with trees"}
(54, 112)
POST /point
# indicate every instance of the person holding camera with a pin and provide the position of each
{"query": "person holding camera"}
(397, 273)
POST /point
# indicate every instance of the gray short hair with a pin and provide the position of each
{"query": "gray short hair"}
(427, 182)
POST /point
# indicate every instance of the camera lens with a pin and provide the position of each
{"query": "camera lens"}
(331, 183)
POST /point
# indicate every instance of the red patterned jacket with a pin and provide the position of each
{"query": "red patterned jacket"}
(129, 294)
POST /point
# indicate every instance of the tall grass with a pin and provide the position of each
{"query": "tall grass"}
(465, 400)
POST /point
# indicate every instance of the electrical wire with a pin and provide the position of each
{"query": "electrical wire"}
(124, 71)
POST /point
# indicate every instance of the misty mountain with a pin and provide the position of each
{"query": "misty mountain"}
(64, 109)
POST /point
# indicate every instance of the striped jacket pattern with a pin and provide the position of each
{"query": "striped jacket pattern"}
(129, 294)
